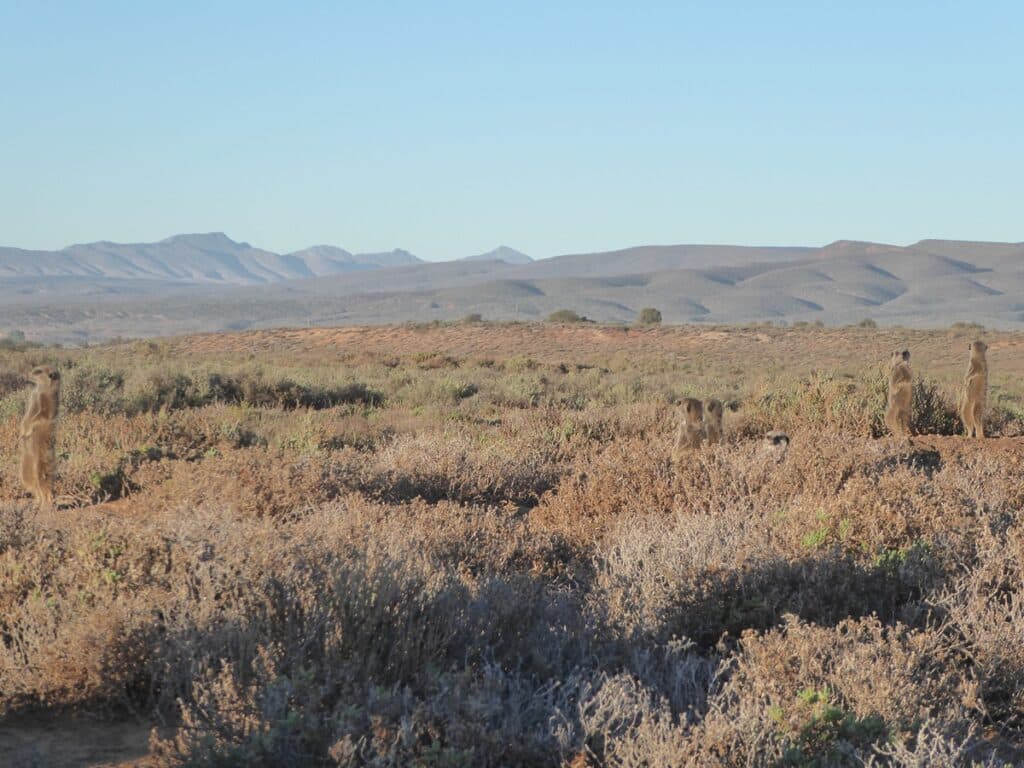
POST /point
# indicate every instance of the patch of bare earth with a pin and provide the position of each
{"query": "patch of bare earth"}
(73, 742)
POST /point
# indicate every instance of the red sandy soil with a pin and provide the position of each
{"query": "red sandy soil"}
(940, 352)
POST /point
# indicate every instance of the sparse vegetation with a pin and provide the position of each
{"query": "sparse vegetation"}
(648, 316)
(15, 340)
(964, 327)
(446, 549)
(565, 316)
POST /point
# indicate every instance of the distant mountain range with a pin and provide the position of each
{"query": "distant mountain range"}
(502, 253)
(201, 258)
(208, 282)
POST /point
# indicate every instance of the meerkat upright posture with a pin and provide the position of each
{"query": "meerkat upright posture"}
(713, 421)
(972, 407)
(691, 427)
(901, 394)
(38, 431)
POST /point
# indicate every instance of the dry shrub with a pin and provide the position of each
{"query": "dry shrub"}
(854, 405)
(513, 577)
(254, 482)
(10, 382)
(73, 629)
(827, 400)
(628, 476)
(374, 645)
(626, 721)
(984, 608)
(458, 466)
(709, 576)
(427, 361)
(934, 747)
(806, 695)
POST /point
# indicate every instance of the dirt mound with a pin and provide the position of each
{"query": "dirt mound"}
(954, 447)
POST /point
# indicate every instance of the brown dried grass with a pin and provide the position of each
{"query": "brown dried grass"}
(518, 575)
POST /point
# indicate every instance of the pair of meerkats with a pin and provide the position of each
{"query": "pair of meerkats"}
(38, 434)
(972, 401)
(703, 421)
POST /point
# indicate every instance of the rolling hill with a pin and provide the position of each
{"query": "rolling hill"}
(210, 282)
(501, 253)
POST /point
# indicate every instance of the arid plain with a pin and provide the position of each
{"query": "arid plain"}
(466, 544)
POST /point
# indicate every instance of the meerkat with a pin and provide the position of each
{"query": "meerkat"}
(38, 431)
(901, 394)
(691, 427)
(972, 407)
(713, 421)
(775, 445)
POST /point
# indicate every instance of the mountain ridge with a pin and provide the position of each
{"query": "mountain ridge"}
(501, 253)
(210, 257)
(96, 290)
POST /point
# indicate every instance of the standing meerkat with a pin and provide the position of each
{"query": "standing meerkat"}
(972, 407)
(691, 427)
(713, 421)
(38, 432)
(901, 394)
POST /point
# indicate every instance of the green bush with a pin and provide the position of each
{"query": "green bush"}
(288, 394)
(11, 381)
(92, 387)
(162, 389)
(565, 316)
(649, 316)
(961, 326)
(828, 734)
(934, 413)
(102, 390)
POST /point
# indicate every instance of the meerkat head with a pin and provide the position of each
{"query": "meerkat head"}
(713, 408)
(900, 356)
(693, 408)
(43, 375)
(978, 346)
(775, 444)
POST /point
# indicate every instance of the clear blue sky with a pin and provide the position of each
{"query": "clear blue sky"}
(449, 127)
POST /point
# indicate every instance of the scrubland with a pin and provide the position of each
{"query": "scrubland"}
(460, 546)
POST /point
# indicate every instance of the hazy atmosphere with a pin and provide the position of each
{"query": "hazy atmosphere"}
(448, 128)
(209, 282)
